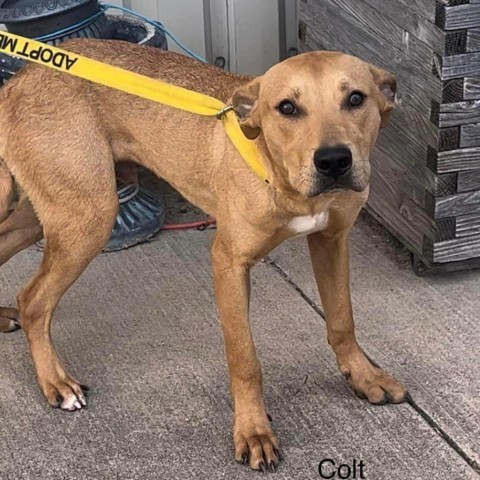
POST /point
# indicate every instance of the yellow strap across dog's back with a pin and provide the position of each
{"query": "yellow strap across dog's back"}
(135, 84)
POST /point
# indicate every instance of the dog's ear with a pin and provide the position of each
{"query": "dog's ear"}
(245, 104)
(387, 86)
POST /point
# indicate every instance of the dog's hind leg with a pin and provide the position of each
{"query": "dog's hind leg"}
(20, 230)
(71, 185)
(74, 235)
(71, 243)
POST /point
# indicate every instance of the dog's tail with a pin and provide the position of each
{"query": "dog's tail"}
(6, 191)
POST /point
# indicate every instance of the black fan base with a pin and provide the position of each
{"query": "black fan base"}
(141, 216)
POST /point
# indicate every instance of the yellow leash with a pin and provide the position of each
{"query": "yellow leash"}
(136, 84)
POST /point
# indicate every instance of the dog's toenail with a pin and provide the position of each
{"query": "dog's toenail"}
(262, 467)
(389, 398)
(242, 460)
(272, 466)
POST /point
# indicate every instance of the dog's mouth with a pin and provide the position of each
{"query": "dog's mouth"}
(349, 182)
(339, 187)
(334, 187)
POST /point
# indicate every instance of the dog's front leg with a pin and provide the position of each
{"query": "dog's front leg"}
(254, 439)
(330, 259)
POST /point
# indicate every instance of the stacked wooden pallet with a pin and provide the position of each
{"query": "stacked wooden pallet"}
(426, 175)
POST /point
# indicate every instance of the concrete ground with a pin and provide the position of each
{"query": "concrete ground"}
(140, 329)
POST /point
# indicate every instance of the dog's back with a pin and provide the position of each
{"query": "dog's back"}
(160, 64)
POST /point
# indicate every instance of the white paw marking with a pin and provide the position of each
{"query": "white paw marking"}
(13, 325)
(73, 403)
(309, 223)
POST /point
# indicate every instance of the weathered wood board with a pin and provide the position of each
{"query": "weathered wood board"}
(468, 181)
(458, 160)
(471, 88)
(426, 166)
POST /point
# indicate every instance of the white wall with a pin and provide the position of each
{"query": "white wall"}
(184, 18)
(254, 35)
(118, 3)
(245, 32)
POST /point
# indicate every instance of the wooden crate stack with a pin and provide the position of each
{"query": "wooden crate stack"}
(426, 166)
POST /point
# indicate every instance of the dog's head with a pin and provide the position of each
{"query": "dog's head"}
(318, 115)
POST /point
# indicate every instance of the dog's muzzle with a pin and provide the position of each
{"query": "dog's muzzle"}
(334, 171)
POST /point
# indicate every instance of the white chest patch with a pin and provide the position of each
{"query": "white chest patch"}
(309, 223)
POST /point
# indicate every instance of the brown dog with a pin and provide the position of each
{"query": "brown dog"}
(314, 118)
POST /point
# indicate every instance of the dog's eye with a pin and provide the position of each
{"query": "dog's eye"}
(287, 108)
(356, 99)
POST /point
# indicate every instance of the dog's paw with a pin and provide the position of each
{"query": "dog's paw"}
(65, 394)
(9, 320)
(256, 444)
(374, 385)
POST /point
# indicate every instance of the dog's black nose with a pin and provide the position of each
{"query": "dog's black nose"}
(333, 161)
